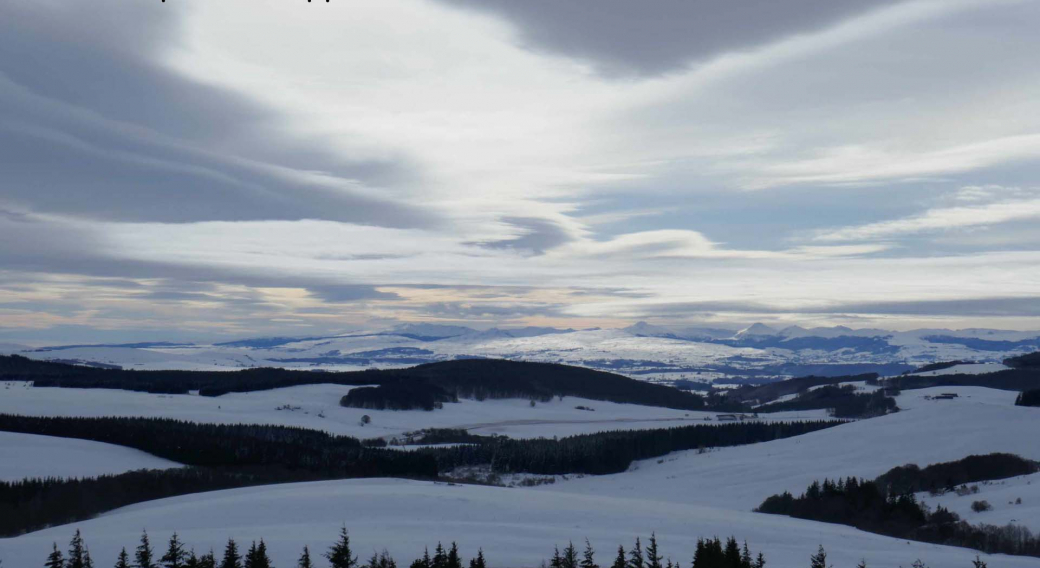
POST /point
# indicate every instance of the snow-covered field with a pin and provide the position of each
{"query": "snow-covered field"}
(680, 496)
(516, 527)
(317, 407)
(28, 455)
(979, 421)
(1003, 496)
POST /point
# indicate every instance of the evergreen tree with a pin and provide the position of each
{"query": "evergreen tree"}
(862, 563)
(760, 562)
(55, 559)
(588, 559)
(745, 557)
(339, 554)
(175, 556)
(123, 560)
(978, 563)
(819, 560)
(143, 554)
(423, 562)
(440, 559)
(192, 560)
(732, 554)
(262, 560)
(250, 556)
(208, 560)
(232, 559)
(88, 562)
(557, 559)
(570, 556)
(305, 559)
(453, 560)
(699, 555)
(635, 556)
(75, 558)
(619, 561)
(479, 561)
(653, 559)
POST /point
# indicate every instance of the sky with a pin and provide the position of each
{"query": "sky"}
(198, 169)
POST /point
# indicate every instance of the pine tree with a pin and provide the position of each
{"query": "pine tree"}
(588, 559)
(700, 555)
(192, 560)
(819, 560)
(339, 554)
(732, 554)
(745, 557)
(557, 559)
(75, 558)
(619, 561)
(208, 560)
(143, 555)
(760, 562)
(123, 560)
(862, 563)
(570, 556)
(423, 562)
(653, 559)
(978, 563)
(175, 555)
(440, 560)
(88, 562)
(232, 559)
(250, 561)
(305, 559)
(454, 561)
(55, 559)
(261, 559)
(479, 561)
(635, 556)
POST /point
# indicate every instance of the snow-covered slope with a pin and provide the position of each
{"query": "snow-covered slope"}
(28, 455)
(515, 527)
(926, 431)
(317, 407)
(1015, 500)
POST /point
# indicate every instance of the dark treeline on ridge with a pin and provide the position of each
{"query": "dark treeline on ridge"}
(888, 505)
(1028, 398)
(227, 456)
(844, 402)
(464, 378)
(612, 452)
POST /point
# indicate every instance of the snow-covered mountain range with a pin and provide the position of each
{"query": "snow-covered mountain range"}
(642, 350)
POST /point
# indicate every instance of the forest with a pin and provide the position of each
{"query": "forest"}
(464, 378)
(888, 506)
(843, 401)
(226, 456)
(1028, 398)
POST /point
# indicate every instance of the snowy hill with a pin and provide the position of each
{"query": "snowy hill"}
(28, 455)
(643, 350)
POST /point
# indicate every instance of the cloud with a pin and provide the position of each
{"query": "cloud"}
(622, 38)
(940, 219)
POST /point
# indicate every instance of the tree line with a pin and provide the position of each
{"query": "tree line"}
(225, 456)
(1028, 398)
(877, 507)
(611, 452)
(709, 553)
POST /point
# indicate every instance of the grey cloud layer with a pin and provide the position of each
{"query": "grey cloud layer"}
(636, 38)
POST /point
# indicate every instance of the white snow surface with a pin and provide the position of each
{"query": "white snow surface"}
(29, 455)
(516, 527)
(317, 407)
(1002, 495)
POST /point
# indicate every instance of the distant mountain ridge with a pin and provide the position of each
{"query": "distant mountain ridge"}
(695, 355)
